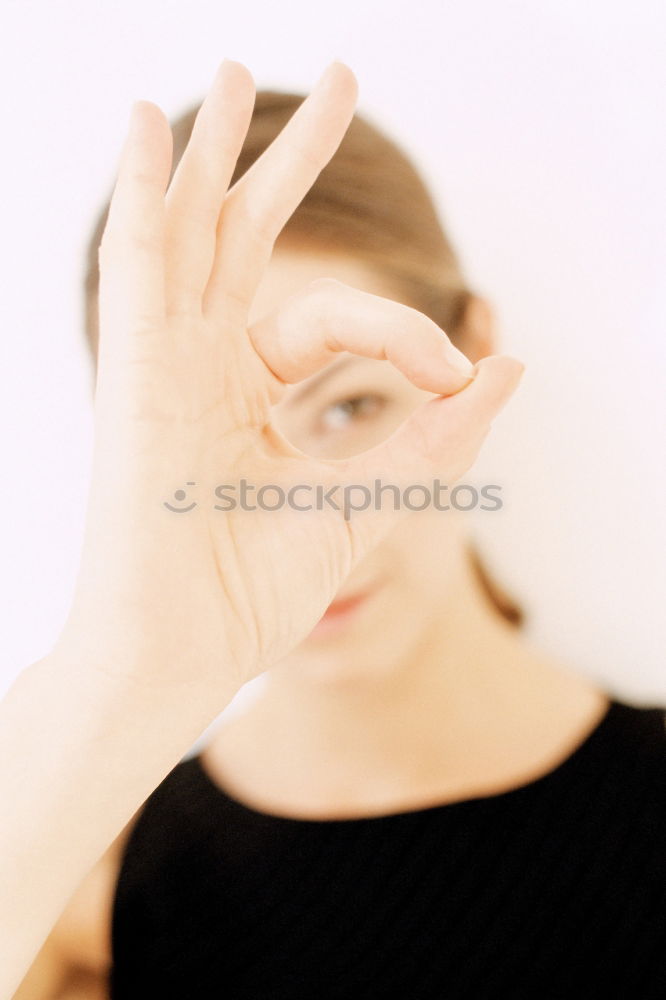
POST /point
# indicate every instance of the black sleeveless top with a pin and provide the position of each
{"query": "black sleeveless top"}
(554, 889)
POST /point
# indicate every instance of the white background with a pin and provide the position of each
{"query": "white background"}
(540, 128)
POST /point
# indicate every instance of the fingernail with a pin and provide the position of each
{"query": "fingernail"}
(459, 361)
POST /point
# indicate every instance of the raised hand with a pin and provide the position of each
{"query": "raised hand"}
(185, 388)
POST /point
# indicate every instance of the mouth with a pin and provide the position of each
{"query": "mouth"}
(341, 612)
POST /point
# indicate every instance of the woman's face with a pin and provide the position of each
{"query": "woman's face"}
(405, 584)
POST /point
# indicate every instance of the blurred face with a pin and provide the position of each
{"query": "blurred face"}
(396, 598)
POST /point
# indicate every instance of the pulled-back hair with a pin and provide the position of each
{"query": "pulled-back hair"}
(369, 202)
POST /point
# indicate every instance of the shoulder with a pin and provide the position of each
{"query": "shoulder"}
(82, 934)
(75, 959)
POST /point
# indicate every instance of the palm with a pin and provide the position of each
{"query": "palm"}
(186, 384)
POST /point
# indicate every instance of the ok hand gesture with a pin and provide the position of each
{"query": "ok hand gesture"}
(185, 387)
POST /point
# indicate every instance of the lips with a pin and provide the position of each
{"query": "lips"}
(340, 612)
(344, 605)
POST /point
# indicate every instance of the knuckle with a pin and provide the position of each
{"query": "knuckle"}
(314, 302)
(144, 242)
(115, 242)
(321, 294)
(300, 150)
(259, 221)
(325, 285)
(140, 177)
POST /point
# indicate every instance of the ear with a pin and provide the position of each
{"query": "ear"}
(476, 332)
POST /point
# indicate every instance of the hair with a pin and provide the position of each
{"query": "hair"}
(369, 202)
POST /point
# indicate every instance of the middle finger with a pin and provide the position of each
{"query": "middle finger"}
(199, 184)
(263, 199)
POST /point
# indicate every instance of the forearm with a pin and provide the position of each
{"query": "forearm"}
(80, 751)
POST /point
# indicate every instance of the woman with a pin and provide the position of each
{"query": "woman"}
(416, 803)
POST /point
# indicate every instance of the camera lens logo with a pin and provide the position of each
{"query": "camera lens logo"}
(181, 495)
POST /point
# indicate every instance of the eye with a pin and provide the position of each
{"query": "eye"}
(338, 415)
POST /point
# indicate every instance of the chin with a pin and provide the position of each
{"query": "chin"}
(354, 655)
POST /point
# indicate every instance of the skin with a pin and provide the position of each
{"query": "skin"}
(425, 695)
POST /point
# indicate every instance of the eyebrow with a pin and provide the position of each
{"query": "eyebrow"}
(324, 376)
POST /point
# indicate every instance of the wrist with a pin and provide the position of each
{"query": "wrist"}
(133, 684)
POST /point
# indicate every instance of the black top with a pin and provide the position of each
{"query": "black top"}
(554, 889)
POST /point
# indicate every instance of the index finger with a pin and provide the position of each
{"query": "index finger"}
(259, 204)
(328, 317)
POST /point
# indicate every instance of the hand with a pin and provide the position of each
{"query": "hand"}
(184, 391)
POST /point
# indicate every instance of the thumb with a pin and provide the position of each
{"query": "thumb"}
(441, 439)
